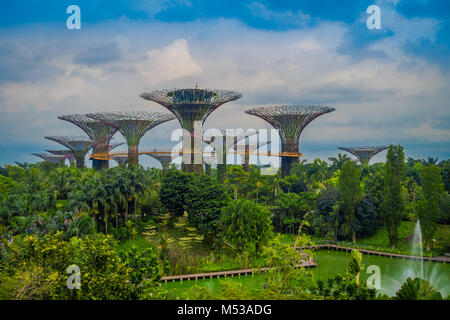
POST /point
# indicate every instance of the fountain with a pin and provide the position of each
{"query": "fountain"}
(417, 268)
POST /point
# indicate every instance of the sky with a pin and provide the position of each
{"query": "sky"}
(388, 85)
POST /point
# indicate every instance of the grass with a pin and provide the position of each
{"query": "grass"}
(140, 243)
(380, 240)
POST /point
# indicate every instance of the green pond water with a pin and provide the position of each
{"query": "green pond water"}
(393, 272)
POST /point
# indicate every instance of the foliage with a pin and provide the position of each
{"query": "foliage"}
(417, 289)
(393, 200)
(350, 194)
(174, 186)
(246, 225)
(428, 210)
(204, 201)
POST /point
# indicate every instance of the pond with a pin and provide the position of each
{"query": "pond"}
(393, 272)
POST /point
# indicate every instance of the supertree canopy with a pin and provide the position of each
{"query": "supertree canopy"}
(79, 145)
(289, 120)
(120, 159)
(99, 132)
(364, 154)
(50, 157)
(133, 125)
(164, 159)
(190, 105)
(64, 152)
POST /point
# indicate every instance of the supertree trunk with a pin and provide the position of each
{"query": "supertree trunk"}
(79, 160)
(247, 158)
(100, 164)
(286, 162)
(133, 156)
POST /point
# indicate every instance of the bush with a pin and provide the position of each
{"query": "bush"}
(35, 268)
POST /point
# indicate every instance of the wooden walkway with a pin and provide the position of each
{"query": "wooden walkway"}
(377, 253)
(225, 274)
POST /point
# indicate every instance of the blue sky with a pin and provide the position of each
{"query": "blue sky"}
(388, 86)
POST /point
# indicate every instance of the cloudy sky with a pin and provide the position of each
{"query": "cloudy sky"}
(389, 86)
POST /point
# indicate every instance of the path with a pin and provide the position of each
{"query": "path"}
(442, 259)
(231, 273)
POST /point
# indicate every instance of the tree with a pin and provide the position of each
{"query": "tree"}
(235, 176)
(174, 187)
(355, 266)
(393, 200)
(290, 210)
(246, 225)
(350, 192)
(203, 202)
(417, 289)
(428, 210)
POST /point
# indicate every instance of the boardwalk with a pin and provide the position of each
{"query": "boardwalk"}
(377, 253)
(225, 274)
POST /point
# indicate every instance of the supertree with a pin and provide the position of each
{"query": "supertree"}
(364, 154)
(227, 140)
(289, 120)
(64, 152)
(79, 145)
(190, 106)
(133, 125)
(50, 157)
(246, 155)
(120, 159)
(99, 132)
(164, 159)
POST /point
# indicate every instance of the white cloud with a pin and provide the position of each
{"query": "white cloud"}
(376, 100)
(169, 63)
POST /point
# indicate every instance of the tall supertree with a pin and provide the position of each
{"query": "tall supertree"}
(50, 157)
(99, 132)
(189, 106)
(133, 125)
(246, 155)
(364, 154)
(164, 159)
(64, 152)
(289, 120)
(120, 159)
(79, 145)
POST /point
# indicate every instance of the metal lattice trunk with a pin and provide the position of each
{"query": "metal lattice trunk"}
(290, 121)
(189, 106)
(79, 145)
(132, 125)
(364, 154)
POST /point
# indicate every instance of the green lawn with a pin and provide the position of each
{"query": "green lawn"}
(381, 238)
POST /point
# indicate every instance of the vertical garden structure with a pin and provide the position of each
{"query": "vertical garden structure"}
(246, 156)
(79, 145)
(164, 159)
(50, 157)
(289, 120)
(99, 132)
(120, 159)
(189, 106)
(64, 152)
(364, 154)
(133, 125)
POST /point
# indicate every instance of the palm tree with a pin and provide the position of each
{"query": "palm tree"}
(336, 163)
(429, 161)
